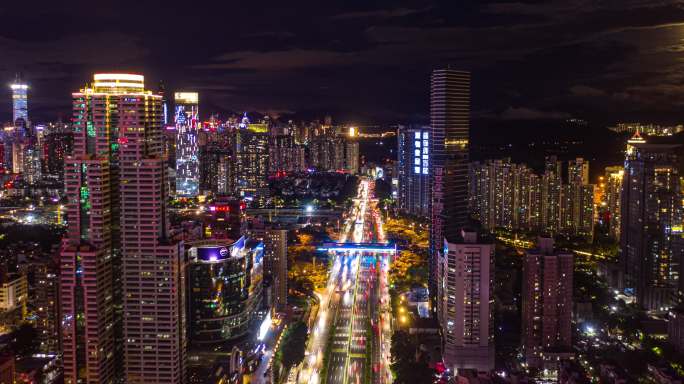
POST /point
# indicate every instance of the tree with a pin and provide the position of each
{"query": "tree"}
(293, 346)
(407, 365)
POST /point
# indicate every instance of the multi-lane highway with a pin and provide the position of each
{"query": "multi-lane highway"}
(350, 341)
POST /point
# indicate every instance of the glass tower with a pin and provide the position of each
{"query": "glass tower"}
(187, 160)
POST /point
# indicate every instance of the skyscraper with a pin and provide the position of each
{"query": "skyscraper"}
(547, 303)
(115, 184)
(414, 170)
(467, 291)
(551, 194)
(90, 250)
(252, 159)
(19, 101)
(275, 244)
(351, 156)
(612, 198)
(651, 243)
(449, 144)
(153, 268)
(187, 160)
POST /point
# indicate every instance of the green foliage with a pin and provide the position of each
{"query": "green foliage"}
(293, 345)
(406, 367)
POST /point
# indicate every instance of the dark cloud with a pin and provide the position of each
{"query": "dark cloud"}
(368, 62)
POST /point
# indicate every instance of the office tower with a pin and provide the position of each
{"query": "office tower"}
(251, 151)
(19, 101)
(551, 194)
(225, 290)
(187, 156)
(114, 181)
(275, 265)
(351, 156)
(612, 198)
(449, 145)
(414, 170)
(547, 304)
(467, 294)
(652, 216)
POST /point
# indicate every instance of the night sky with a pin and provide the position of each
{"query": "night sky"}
(603, 61)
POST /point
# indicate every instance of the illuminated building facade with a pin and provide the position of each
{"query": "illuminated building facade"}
(187, 153)
(651, 244)
(275, 244)
(504, 194)
(466, 278)
(547, 303)
(551, 194)
(577, 209)
(252, 155)
(225, 289)
(414, 170)
(611, 200)
(216, 168)
(285, 155)
(351, 156)
(56, 146)
(19, 102)
(449, 148)
(117, 243)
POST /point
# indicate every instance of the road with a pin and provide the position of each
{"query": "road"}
(350, 342)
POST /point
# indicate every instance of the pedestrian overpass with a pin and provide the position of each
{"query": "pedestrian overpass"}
(387, 248)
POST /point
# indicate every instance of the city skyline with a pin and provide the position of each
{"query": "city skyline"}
(273, 66)
(429, 192)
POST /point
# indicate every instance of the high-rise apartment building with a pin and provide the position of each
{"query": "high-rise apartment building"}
(611, 201)
(651, 215)
(414, 170)
(448, 167)
(187, 153)
(153, 267)
(551, 194)
(56, 146)
(577, 207)
(547, 304)
(504, 194)
(46, 305)
(117, 250)
(466, 289)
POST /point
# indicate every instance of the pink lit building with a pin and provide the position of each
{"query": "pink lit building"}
(121, 281)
